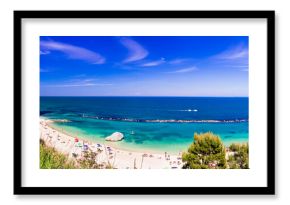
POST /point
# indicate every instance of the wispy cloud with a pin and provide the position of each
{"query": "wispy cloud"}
(82, 80)
(79, 85)
(244, 68)
(238, 52)
(136, 51)
(89, 80)
(240, 66)
(43, 70)
(178, 61)
(153, 63)
(184, 70)
(44, 52)
(73, 52)
(79, 82)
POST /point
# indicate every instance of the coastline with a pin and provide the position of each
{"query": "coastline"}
(116, 145)
(118, 158)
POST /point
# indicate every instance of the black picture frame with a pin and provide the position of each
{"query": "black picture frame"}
(268, 190)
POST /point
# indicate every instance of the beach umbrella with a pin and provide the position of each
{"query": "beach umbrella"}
(76, 139)
(86, 147)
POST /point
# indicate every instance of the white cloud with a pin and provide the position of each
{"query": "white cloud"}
(42, 70)
(44, 52)
(81, 82)
(79, 85)
(73, 52)
(239, 52)
(244, 68)
(240, 66)
(136, 51)
(154, 63)
(185, 70)
(178, 61)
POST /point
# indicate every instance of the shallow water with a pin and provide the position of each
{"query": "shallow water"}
(159, 124)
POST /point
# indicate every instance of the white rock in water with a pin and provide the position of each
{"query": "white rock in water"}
(116, 136)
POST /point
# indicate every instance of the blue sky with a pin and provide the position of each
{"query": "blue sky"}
(144, 66)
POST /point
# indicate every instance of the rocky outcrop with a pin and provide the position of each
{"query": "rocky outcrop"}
(116, 136)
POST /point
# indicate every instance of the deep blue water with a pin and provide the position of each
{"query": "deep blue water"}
(160, 123)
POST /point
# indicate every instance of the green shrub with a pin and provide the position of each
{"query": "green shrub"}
(240, 157)
(88, 160)
(51, 159)
(206, 152)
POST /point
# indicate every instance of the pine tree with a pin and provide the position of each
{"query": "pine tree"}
(206, 152)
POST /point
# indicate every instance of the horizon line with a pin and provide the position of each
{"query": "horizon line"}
(138, 96)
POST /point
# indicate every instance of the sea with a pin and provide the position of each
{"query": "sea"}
(156, 124)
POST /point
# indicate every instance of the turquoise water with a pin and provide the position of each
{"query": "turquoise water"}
(157, 124)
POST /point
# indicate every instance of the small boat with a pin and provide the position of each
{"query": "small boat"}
(132, 132)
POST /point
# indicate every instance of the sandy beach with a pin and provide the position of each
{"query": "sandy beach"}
(120, 159)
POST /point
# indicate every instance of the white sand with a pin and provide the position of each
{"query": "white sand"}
(120, 159)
